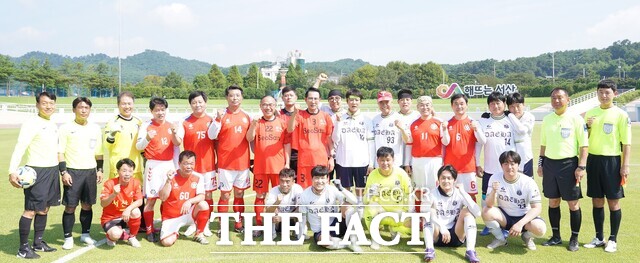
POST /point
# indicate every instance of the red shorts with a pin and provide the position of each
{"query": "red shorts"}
(261, 182)
(304, 176)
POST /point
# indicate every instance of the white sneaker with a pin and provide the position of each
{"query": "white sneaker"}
(375, 246)
(527, 237)
(68, 243)
(190, 230)
(355, 248)
(87, 239)
(497, 243)
(133, 241)
(207, 232)
(611, 247)
(595, 243)
(111, 243)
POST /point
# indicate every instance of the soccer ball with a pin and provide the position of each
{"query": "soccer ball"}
(26, 176)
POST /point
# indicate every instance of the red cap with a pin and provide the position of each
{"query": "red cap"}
(384, 95)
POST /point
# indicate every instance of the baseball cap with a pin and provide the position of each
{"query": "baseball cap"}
(335, 92)
(384, 95)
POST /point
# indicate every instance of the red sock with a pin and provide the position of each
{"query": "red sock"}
(201, 220)
(417, 202)
(259, 208)
(148, 218)
(473, 196)
(210, 204)
(223, 205)
(238, 205)
(134, 226)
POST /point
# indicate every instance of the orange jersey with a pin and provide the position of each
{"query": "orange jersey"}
(160, 147)
(233, 148)
(271, 136)
(127, 195)
(195, 139)
(182, 189)
(313, 134)
(461, 149)
(292, 137)
(426, 138)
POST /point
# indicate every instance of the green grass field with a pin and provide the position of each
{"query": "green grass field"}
(187, 250)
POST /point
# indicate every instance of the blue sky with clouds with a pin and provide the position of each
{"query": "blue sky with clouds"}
(243, 31)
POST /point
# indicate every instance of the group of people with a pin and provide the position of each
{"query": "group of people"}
(326, 159)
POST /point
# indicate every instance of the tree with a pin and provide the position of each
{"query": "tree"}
(202, 82)
(363, 78)
(234, 77)
(218, 80)
(37, 74)
(252, 78)
(101, 78)
(6, 70)
(173, 80)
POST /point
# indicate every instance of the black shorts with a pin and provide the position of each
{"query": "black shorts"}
(83, 187)
(485, 182)
(528, 168)
(603, 177)
(116, 222)
(348, 175)
(559, 179)
(454, 242)
(340, 233)
(45, 192)
(293, 161)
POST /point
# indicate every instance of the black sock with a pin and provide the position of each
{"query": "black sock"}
(68, 219)
(24, 226)
(39, 224)
(85, 220)
(598, 221)
(143, 225)
(615, 217)
(554, 220)
(576, 222)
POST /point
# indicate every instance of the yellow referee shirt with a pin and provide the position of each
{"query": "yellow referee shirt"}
(610, 128)
(563, 135)
(38, 143)
(80, 144)
(123, 144)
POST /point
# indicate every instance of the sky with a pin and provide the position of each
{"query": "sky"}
(245, 31)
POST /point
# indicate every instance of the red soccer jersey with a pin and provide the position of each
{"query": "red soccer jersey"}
(291, 137)
(182, 189)
(196, 140)
(462, 145)
(313, 132)
(271, 136)
(128, 194)
(160, 147)
(233, 148)
(426, 138)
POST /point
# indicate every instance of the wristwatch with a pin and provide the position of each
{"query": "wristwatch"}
(582, 167)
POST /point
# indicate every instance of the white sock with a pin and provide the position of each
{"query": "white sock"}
(494, 228)
(428, 235)
(359, 198)
(470, 232)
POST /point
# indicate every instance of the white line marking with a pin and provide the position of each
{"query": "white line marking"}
(315, 252)
(79, 252)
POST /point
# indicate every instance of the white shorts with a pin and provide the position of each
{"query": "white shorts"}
(210, 181)
(172, 226)
(155, 174)
(425, 172)
(468, 180)
(228, 179)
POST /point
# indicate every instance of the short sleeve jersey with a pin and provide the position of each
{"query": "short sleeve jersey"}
(610, 128)
(233, 148)
(426, 138)
(128, 194)
(387, 134)
(447, 207)
(391, 192)
(563, 135)
(460, 152)
(523, 140)
(38, 140)
(80, 144)
(500, 138)
(313, 132)
(271, 136)
(515, 198)
(195, 138)
(289, 201)
(124, 143)
(352, 132)
(182, 189)
(313, 205)
(161, 146)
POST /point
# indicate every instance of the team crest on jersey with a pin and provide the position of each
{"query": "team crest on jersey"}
(327, 200)
(607, 128)
(506, 126)
(361, 123)
(519, 192)
(191, 126)
(169, 130)
(278, 129)
(415, 127)
(227, 121)
(153, 192)
(455, 203)
(390, 124)
(194, 185)
(565, 132)
(323, 122)
(466, 127)
(397, 182)
(244, 120)
(175, 185)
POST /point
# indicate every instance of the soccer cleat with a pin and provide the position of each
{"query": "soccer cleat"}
(611, 247)
(257, 233)
(374, 245)
(201, 239)
(27, 253)
(573, 245)
(238, 227)
(68, 243)
(87, 239)
(527, 237)
(497, 243)
(43, 247)
(111, 243)
(190, 230)
(207, 232)
(151, 237)
(595, 243)
(485, 231)
(553, 241)
(472, 256)
(505, 233)
(429, 254)
(133, 241)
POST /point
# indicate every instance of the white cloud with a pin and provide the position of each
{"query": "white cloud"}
(623, 24)
(175, 16)
(32, 33)
(265, 53)
(109, 45)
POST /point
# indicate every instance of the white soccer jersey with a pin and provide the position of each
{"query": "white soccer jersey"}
(289, 201)
(328, 110)
(407, 120)
(353, 133)
(447, 207)
(515, 198)
(385, 133)
(312, 205)
(523, 128)
(500, 136)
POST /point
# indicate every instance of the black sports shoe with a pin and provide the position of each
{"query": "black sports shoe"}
(573, 245)
(27, 253)
(43, 247)
(152, 238)
(553, 241)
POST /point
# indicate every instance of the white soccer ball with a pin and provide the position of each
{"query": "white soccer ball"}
(26, 176)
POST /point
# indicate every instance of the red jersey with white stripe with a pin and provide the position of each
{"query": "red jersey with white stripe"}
(161, 146)
(426, 138)
(460, 153)
(128, 194)
(313, 132)
(233, 148)
(196, 139)
(182, 189)
(271, 136)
